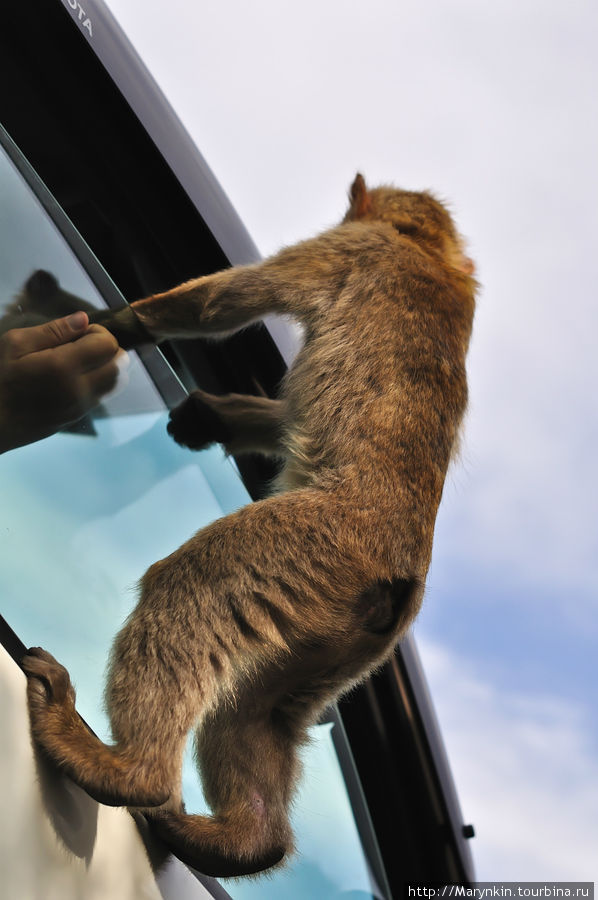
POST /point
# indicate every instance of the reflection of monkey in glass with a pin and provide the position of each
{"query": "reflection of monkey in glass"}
(40, 299)
(261, 619)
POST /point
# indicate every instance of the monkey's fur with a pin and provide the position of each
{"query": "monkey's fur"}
(264, 617)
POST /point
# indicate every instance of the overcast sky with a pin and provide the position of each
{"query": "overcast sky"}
(493, 106)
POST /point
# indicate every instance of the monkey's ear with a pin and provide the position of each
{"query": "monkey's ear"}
(41, 285)
(361, 202)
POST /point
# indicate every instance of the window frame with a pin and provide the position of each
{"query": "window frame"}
(389, 720)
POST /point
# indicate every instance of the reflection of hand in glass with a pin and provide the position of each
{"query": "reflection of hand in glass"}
(51, 375)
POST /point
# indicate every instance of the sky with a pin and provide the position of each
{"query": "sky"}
(493, 107)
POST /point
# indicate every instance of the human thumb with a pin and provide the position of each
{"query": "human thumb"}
(69, 327)
(77, 321)
(51, 334)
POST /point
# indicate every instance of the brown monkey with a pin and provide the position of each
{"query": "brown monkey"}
(261, 619)
(41, 299)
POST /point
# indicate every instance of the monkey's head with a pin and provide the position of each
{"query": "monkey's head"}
(40, 299)
(418, 215)
(42, 294)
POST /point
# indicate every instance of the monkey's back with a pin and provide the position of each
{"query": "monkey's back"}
(376, 395)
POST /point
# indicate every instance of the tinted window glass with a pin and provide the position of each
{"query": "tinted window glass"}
(86, 511)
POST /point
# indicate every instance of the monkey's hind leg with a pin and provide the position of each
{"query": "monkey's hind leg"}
(115, 775)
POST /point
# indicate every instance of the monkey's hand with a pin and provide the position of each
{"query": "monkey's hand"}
(125, 325)
(196, 423)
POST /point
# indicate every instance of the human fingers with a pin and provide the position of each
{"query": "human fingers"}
(102, 380)
(91, 351)
(20, 342)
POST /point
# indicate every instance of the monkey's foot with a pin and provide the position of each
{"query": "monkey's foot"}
(49, 689)
(108, 774)
(207, 844)
(196, 424)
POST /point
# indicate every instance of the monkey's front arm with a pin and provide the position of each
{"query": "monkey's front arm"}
(298, 281)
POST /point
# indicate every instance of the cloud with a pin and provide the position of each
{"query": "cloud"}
(525, 771)
(286, 102)
(523, 497)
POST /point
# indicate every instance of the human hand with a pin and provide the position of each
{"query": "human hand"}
(51, 375)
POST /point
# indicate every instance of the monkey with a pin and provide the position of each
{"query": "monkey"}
(264, 617)
(40, 299)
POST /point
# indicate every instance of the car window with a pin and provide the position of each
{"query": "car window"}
(87, 510)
